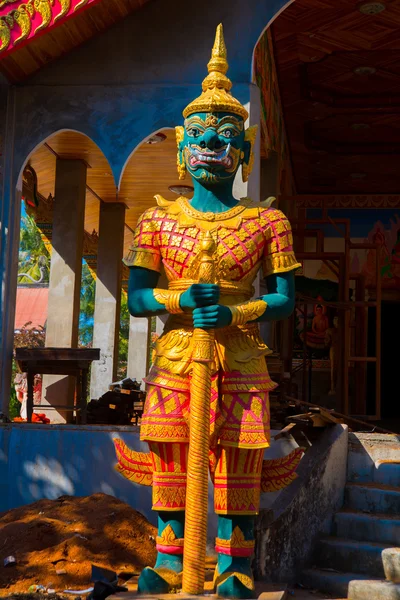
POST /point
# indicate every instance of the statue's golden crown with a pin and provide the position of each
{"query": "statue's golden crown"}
(216, 96)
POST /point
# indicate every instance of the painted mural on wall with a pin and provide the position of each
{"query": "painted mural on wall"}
(315, 332)
(21, 20)
(378, 227)
(388, 239)
(272, 124)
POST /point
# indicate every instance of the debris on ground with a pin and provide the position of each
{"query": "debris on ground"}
(56, 542)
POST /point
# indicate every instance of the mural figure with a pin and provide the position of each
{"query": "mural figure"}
(315, 337)
(236, 238)
(319, 325)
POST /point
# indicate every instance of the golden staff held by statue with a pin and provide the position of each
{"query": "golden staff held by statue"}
(199, 441)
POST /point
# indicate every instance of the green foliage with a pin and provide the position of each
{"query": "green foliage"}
(32, 252)
(14, 406)
(123, 337)
(88, 293)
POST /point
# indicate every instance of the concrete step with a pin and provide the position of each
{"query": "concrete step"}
(391, 564)
(350, 555)
(354, 525)
(372, 498)
(387, 472)
(332, 582)
(373, 590)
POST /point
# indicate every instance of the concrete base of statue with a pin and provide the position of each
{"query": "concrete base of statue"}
(263, 591)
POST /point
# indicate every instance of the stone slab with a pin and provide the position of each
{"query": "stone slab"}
(391, 564)
(373, 590)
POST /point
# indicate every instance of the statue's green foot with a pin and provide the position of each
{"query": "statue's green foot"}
(159, 580)
(233, 584)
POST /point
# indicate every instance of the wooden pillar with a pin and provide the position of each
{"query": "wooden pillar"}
(65, 278)
(108, 296)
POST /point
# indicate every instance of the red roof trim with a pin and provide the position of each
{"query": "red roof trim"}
(32, 22)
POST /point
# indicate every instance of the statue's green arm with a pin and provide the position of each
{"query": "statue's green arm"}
(141, 300)
(280, 297)
(202, 299)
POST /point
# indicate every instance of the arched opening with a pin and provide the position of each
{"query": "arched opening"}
(149, 170)
(64, 184)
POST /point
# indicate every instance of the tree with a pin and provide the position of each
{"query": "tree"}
(33, 259)
(88, 292)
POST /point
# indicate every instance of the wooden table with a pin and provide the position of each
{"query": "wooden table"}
(58, 361)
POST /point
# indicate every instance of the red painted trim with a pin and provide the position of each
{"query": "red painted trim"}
(244, 552)
(169, 549)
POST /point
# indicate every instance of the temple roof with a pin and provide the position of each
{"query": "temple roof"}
(31, 306)
(36, 32)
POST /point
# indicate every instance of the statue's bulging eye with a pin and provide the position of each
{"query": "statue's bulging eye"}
(194, 132)
(229, 132)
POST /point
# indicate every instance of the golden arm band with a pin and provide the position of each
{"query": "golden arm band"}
(170, 300)
(249, 311)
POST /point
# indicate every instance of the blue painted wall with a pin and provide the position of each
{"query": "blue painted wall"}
(38, 461)
(48, 461)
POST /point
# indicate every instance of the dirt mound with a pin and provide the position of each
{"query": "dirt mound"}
(70, 534)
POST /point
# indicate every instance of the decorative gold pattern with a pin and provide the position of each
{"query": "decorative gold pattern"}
(237, 541)
(22, 16)
(278, 473)
(250, 311)
(135, 466)
(246, 580)
(168, 538)
(44, 9)
(80, 5)
(216, 96)
(65, 6)
(179, 133)
(249, 136)
(169, 496)
(173, 579)
(170, 299)
(199, 439)
(211, 121)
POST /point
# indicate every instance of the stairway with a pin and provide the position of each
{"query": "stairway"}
(360, 560)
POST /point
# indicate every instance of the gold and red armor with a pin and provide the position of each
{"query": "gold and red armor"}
(250, 237)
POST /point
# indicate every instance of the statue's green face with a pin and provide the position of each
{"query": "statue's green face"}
(213, 146)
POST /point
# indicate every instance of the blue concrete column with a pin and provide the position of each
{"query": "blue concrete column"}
(10, 214)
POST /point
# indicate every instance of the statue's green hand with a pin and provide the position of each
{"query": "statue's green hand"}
(199, 294)
(212, 317)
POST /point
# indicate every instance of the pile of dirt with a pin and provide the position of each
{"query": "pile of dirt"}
(68, 535)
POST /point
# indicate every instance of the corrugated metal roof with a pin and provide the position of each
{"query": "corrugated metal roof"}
(31, 306)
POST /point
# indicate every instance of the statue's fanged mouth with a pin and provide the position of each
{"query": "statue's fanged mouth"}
(200, 158)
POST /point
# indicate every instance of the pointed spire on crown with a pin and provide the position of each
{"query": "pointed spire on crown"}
(216, 86)
(218, 64)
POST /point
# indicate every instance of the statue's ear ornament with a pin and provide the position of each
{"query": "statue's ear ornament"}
(249, 136)
(180, 161)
